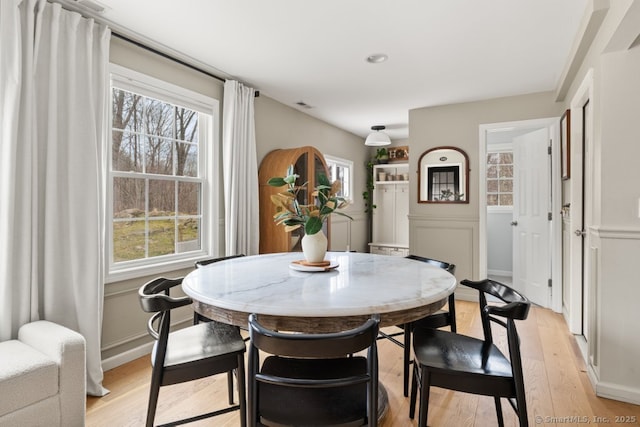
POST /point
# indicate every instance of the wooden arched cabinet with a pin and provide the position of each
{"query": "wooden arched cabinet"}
(308, 163)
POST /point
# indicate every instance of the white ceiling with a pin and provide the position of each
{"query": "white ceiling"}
(440, 51)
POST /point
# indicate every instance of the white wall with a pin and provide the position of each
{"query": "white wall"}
(616, 239)
(613, 348)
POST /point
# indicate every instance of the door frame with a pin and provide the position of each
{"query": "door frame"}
(553, 123)
(579, 314)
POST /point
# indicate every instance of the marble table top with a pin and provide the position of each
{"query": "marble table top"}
(362, 284)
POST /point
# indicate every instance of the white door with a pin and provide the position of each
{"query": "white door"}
(531, 224)
(579, 219)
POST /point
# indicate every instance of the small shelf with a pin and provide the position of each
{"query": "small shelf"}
(391, 182)
(391, 173)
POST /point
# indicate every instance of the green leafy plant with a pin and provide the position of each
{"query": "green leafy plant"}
(367, 194)
(293, 215)
(382, 155)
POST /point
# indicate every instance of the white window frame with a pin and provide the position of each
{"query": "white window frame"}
(347, 164)
(497, 148)
(209, 161)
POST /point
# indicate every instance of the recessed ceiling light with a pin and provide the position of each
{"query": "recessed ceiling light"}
(377, 58)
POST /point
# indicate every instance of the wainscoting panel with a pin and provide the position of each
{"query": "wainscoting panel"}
(124, 324)
(349, 234)
(614, 347)
(340, 234)
(451, 240)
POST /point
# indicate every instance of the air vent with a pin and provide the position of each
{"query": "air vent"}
(304, 105)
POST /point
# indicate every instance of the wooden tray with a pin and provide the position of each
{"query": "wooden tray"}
(311, 267)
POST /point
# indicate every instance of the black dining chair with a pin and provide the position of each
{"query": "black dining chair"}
(439, 319)
(313, 379)
(197, 317)
(190, 353)
(462, 363)
(208, 261)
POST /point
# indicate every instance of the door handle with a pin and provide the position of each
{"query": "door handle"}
(580, 233)
(514, 223)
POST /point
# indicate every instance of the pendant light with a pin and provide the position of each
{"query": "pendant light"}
(377, 137)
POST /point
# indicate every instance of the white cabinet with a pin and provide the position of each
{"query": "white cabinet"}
(384, 249)
(390, 217)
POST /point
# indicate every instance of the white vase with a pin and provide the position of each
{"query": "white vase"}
(314, 246)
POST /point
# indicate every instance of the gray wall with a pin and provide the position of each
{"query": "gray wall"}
(613, 241)
(281, 126)
(451, 231)
(124, 335)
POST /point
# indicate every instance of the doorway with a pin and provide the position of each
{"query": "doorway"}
(518, 232)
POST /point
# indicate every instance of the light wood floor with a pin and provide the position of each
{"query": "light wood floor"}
(558, 390)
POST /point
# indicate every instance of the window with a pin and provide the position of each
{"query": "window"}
(444, 183)
(341, 170)
(158, 211)
(500, 179)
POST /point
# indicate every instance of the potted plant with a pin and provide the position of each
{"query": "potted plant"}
(293, 215)
(382, 155)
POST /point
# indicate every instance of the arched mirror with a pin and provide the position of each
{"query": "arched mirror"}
(443, 176)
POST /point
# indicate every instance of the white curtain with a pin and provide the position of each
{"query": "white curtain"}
(240, 169)
(54, 87)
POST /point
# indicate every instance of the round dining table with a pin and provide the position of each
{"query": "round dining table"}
(338, 297)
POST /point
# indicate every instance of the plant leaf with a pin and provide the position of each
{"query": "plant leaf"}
(290, 179)
(288, 228)
(342, 214)
(313, 225)
(276, 181)
(323, 180)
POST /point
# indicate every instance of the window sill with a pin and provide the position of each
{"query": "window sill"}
(135, 272)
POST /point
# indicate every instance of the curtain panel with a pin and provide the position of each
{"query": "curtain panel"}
(240, 170)
(55, 80)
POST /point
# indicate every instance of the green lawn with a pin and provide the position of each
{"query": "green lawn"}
(129, 237)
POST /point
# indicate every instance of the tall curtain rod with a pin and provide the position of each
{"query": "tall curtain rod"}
(171, 58)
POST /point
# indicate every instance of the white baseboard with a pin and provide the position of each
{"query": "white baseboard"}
(499, 273)
(136, 352)
(126, 357)
(606, 389)
(466, 294)
(618, 392)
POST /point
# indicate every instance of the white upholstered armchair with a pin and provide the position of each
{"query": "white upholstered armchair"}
(42, 377)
